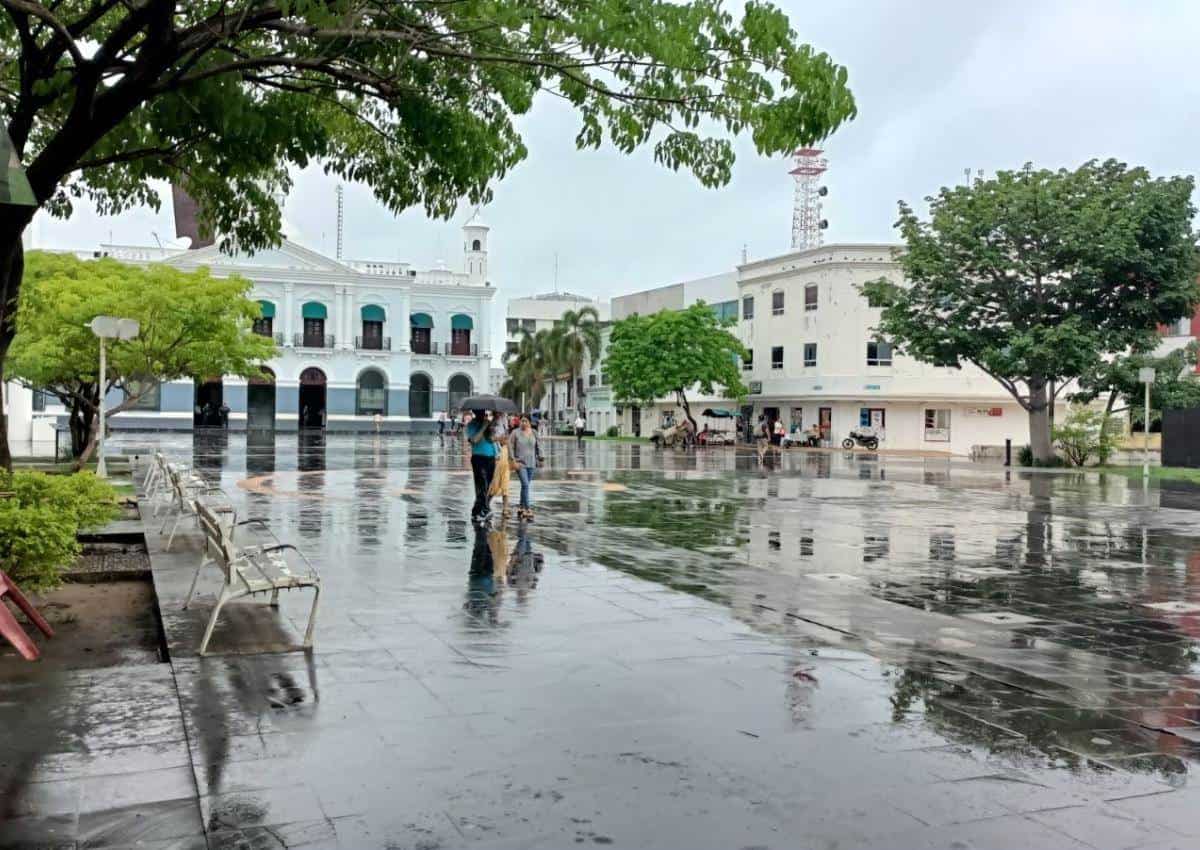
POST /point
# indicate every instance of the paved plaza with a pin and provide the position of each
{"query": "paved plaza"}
(682, 651)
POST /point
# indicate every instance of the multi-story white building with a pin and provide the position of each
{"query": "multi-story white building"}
(362, 345)
(815, 359)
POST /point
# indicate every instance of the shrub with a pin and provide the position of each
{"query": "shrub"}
(40, 520)
(613, 431)
(1025, 456)
(1086, 433)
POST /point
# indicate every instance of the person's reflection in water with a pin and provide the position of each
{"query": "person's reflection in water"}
(483, 593)
(524, 565)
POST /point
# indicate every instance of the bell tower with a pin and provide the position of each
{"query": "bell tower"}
(475, 236)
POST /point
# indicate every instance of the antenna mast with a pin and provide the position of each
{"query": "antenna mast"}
(340, 206)
(807, 224)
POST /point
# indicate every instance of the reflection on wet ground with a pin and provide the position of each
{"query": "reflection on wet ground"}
(684, 650)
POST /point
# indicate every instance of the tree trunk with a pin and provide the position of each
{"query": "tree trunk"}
(687, 411)
(1039, 423)
(12, 269)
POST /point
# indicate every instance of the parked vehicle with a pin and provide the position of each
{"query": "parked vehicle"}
(864, 437)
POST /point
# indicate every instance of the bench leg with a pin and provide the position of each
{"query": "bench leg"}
(312, 618)
(275, 598)
(195, 579)
(26, 607)
(212, 620)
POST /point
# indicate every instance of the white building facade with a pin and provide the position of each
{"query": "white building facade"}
(815, 360)
(361, 346)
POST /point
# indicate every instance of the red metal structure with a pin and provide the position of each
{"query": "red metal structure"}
(10, 629)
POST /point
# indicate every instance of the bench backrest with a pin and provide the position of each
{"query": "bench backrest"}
(218, 543)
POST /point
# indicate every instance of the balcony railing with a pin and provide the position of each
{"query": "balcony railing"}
(423, 347)
(373, 343)
(278, 337)
(464, 350)
(302, 340)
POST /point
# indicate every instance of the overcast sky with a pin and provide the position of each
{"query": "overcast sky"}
(940, 86)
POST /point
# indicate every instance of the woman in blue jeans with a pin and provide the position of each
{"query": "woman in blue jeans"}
(525, 453)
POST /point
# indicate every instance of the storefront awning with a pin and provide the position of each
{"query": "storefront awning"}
(421, 320)
(461, 323)
(372, 313)
(313, 310)
(267, 308)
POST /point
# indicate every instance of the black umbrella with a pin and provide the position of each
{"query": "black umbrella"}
(488, 402)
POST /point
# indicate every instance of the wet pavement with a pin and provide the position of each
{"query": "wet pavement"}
(682, 651)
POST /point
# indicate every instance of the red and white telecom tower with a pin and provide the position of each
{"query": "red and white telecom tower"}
(807, 224)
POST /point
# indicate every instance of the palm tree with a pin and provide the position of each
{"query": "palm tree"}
(578, 342)
(526, 383)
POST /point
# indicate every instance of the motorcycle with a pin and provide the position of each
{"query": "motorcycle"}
(864, 437)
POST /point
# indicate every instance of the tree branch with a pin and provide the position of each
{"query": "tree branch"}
(43, 14)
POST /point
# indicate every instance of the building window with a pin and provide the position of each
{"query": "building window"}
(810, 354)
(810, 297)
(513, 326)
(879, 353)
(529, 325)
(726, 311)
(372, 338)
(748, 360)
(591, 380)
(147, 400)
(264, 326)
(372, 394)
(872, 417)
(777, 357)
(776, 303)
(604, 379)
(39, 400)
(1181, 327)
(748, 307)
(511, 347)
(937, 425)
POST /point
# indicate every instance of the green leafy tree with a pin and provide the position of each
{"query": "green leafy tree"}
(192, 325)
(670, 352)
(577, 341)
(1176, 383)
(419, 100)
(1038, 276)
(1085, 434)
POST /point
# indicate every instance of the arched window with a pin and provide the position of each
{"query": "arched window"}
(371, 397)
(460, 388)
(420, 397)
(476, 245)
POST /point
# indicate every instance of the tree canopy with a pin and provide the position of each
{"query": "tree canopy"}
(416, 99)
(671, 351)
(192, 325)
(1176, 383)
(1038, 276)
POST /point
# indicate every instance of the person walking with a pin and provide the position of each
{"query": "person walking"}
(500, 480)
(580, 425)
(526, 453)
(780, 430)
(483, 463)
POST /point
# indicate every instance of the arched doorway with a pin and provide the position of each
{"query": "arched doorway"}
(207, 400)
(460, 388)
(312, 398)
(420, 397)
(370, 397)
(260, 401)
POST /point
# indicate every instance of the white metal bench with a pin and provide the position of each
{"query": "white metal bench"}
(185, 489)
(251, 570)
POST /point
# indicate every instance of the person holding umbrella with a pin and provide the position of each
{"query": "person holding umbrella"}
(481, 439)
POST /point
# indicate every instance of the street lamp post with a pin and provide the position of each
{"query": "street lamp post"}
(108, 327)
(1146, 376)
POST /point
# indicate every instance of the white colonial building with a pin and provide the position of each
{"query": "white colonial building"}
(362, 345)
(815, 360)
